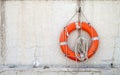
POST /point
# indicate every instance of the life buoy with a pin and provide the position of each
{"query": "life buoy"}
(73, 26)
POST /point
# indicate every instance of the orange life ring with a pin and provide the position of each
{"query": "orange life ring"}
(71, 27)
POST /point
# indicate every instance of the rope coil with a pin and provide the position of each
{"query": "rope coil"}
(81, 47)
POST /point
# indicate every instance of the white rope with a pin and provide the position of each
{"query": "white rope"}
(81, 47)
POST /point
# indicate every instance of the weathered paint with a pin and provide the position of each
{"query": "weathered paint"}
(2, 33)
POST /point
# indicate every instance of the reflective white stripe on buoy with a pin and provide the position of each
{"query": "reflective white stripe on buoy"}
(95, 38)
(63, 43)
(77, 26)
(67, 34)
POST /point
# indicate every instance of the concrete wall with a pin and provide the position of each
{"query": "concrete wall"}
(30, 31)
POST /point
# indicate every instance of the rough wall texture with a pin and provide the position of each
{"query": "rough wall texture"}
(30, 31)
